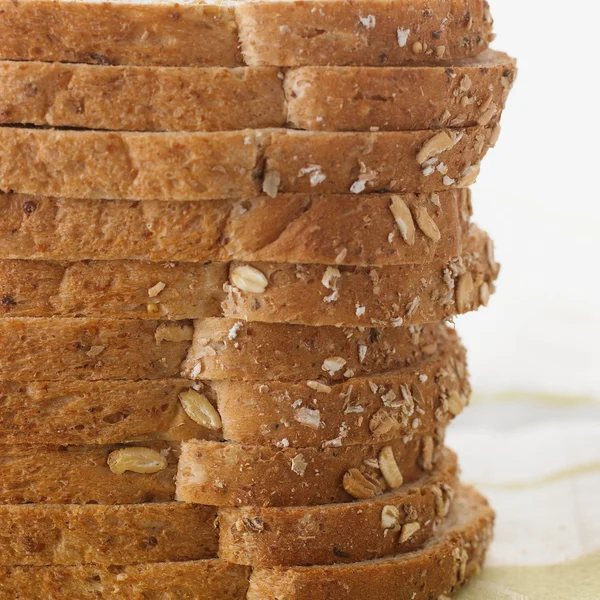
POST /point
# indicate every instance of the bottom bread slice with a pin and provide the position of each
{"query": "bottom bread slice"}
(197, 580)
(41, 535)
(436, 571)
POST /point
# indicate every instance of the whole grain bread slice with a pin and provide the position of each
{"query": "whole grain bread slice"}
(140, 98)
(80, 412)
(265, 292)
(91, 349)
(82, 475)
(339, 533)
(46, 534)
(229, 474)
(360, 410)
(202, 166)
(438, 570)
(236, 350)
(348, 229)
(203, 579)
(273, 33)
(461, 93)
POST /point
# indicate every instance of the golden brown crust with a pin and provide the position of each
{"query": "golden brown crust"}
(456, 93)
(206, 579)
(41, 535)
(460, 93)
(297, 228)
(202, 166)
(373, 32)
(336, 533)
(81, 475)
(90, 349)
(441, 568)
(348, 296)
(363, 410)
(230, 474)
(230, 349)
(118, 33)
(273, 33)
(140, 98)
(355, 296)
(95, 412)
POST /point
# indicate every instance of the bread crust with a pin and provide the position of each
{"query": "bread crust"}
(412, 401)
(202, 166)
(80, 475)
(347, 296)
(275, 32)
(125, 98)
(384, 98)
(231, 474)
(90, 349)
(236, 350)
(455, 93)
(80, 412)
(373, 32)
(441, 568)
(206, 579)
(348, 229)
(335, 533)
(40, 535)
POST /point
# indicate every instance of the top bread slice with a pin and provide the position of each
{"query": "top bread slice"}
(461, 93)
(206, 166)
(276, 32)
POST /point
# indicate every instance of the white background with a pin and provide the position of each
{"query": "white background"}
(538, 196)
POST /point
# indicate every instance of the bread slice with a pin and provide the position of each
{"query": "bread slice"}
(80, 412)
(349, 229)
(203, 579)
(460, 93)
(140, 98)
(203, 166)
(356, 296)
(91, 349)
(39, 535)
(438, 570)
(339, 533)
(229, 474)
(230, 349)
(361, 410)
(282, 293)
(278, 32)
(372, 32)
(81, 475)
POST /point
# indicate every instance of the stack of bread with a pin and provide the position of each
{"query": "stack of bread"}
(233, 237)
